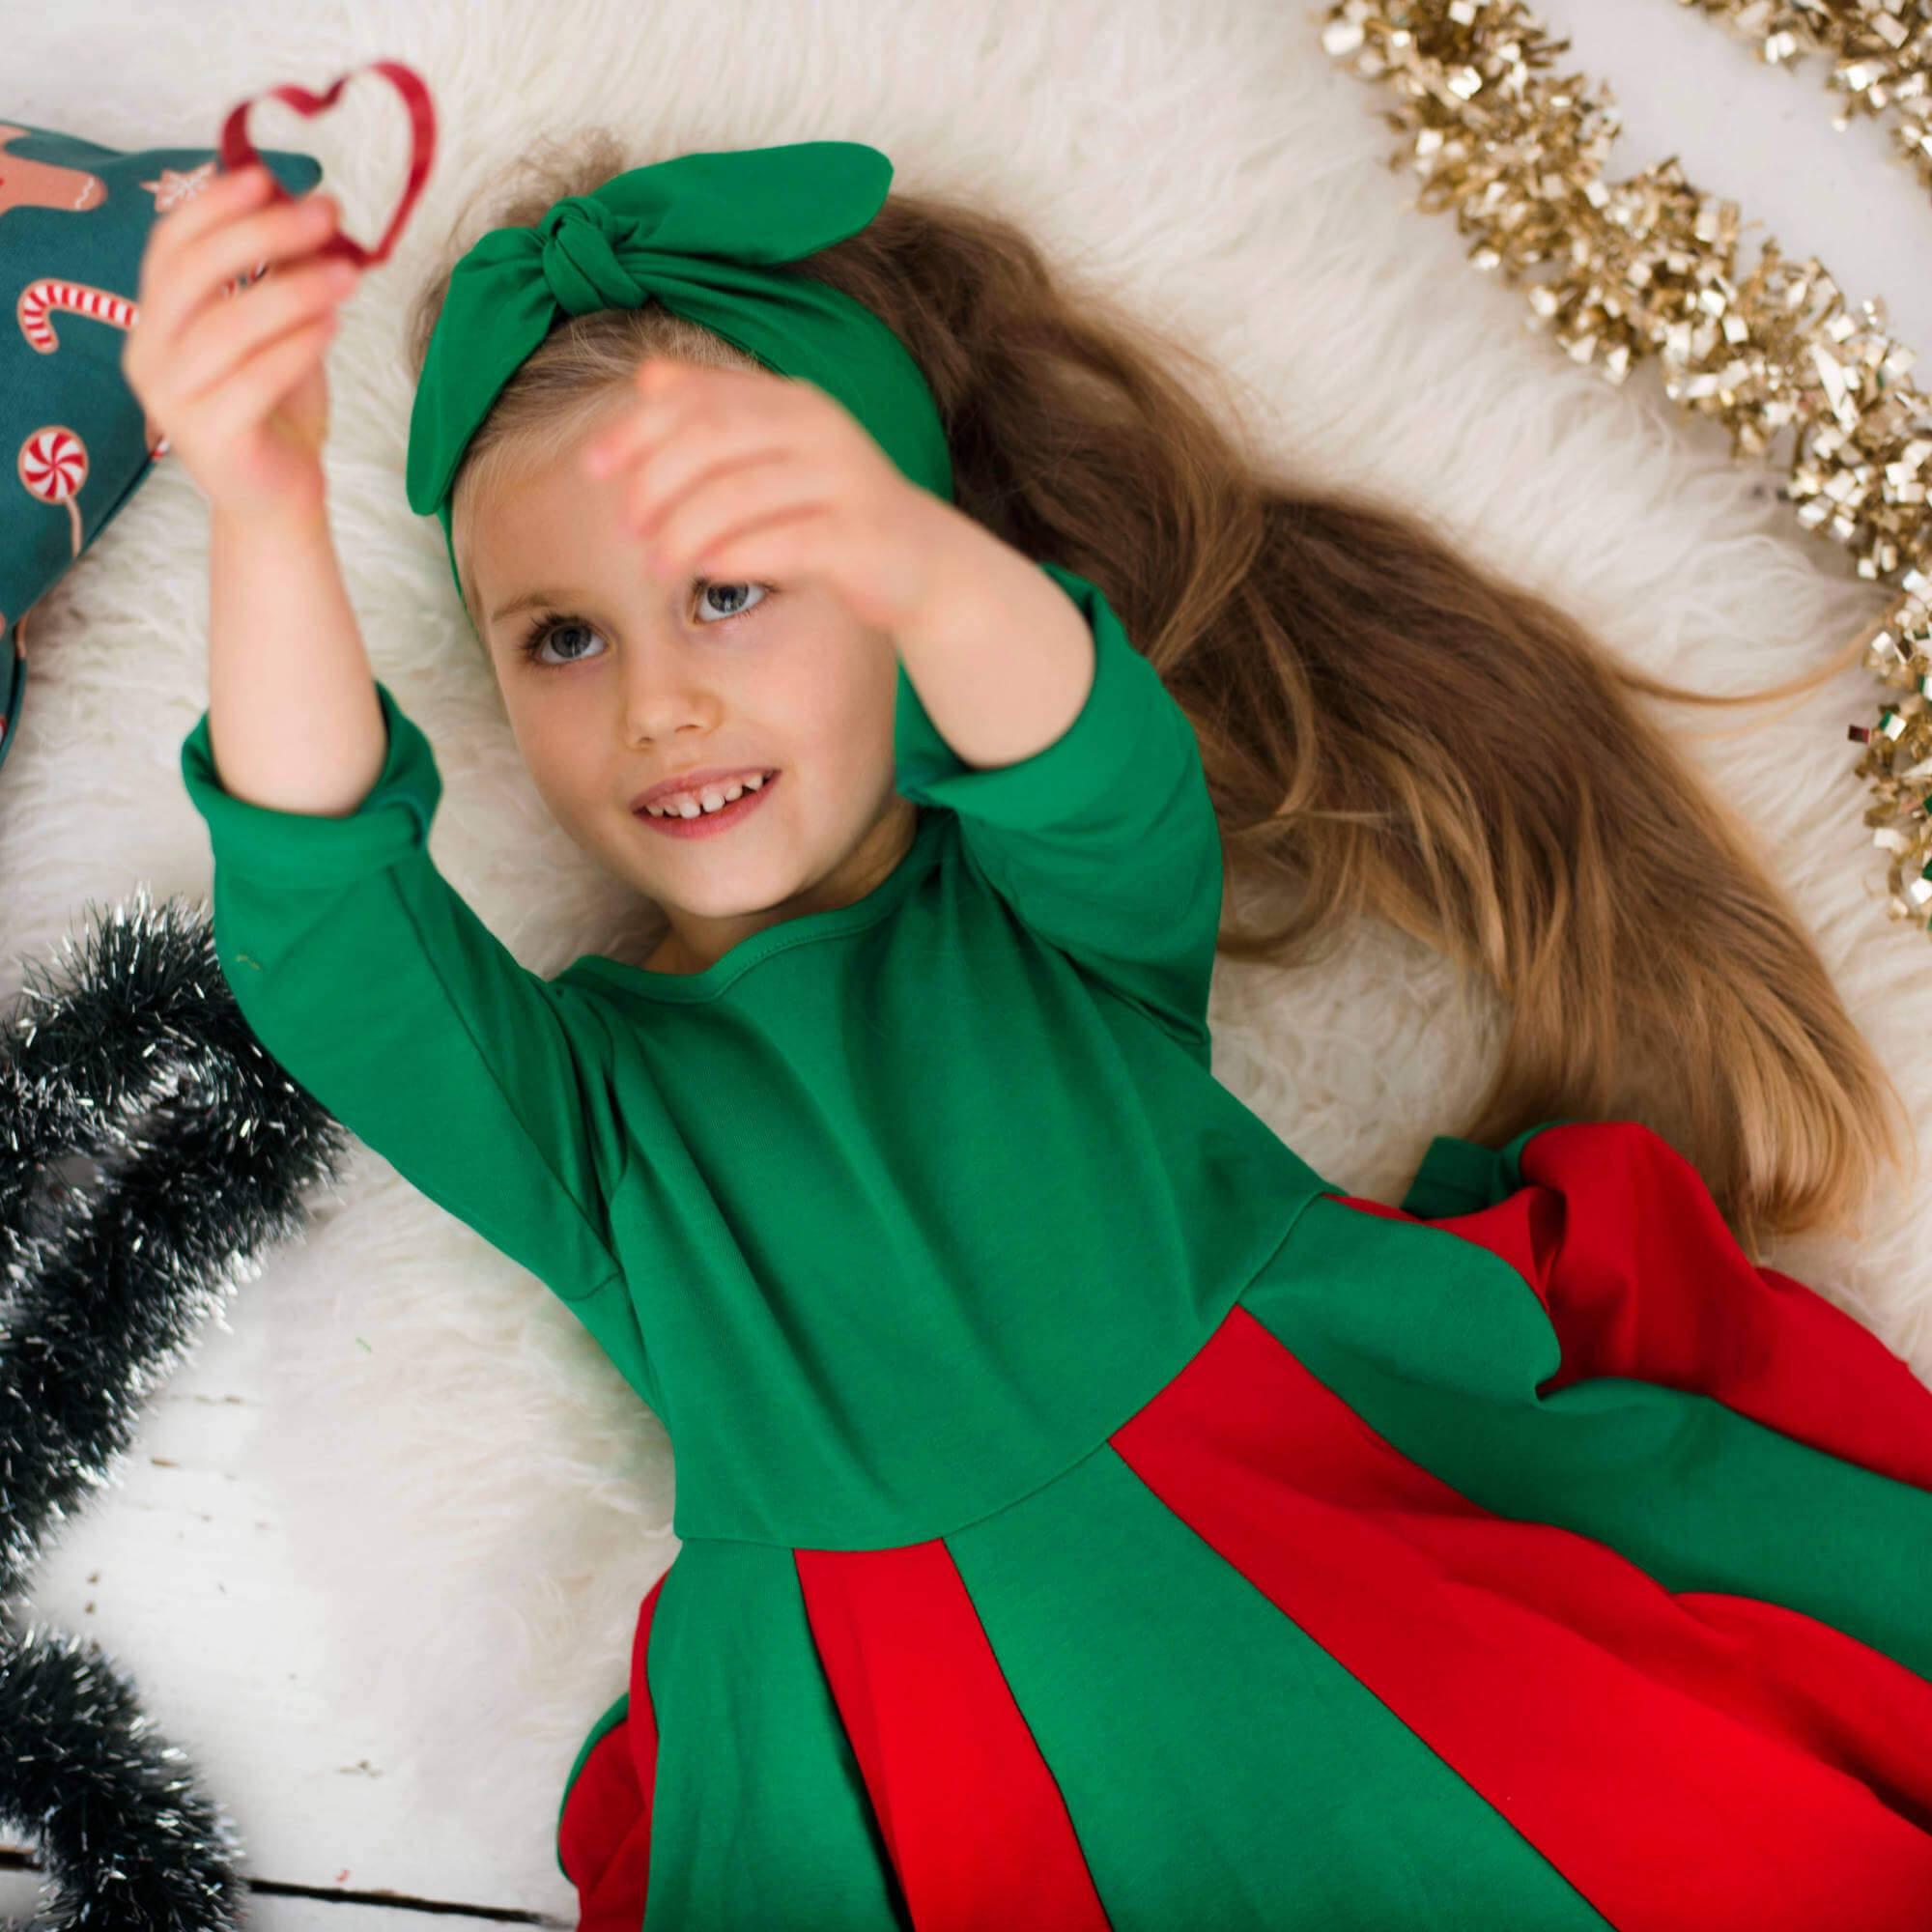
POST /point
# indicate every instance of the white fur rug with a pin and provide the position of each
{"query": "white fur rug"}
(479, 1495)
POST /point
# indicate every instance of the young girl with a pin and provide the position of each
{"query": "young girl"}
(1089, 1516)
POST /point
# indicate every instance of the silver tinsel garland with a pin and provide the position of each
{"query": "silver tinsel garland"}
(137, 1060)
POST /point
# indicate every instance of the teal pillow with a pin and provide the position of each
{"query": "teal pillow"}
(73, 227)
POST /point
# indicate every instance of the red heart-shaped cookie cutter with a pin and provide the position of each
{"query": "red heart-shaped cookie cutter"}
(236, 151)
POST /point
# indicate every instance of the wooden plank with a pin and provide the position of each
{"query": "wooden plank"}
(275, 1908)
(177, 1568)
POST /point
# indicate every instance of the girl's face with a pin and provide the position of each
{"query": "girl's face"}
(614, 679)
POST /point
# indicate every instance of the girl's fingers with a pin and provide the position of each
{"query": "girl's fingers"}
(787, 547)
(162, 298)
(812, 544)
(681, 398)
(258, 314)
(650, 424)
(723, 505)
(619, 443)
(225, 197)
(196, 276)
(267, 377)
(666, 472)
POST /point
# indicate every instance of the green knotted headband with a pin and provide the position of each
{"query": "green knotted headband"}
(699, 233)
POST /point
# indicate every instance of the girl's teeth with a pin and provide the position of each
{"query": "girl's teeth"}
(713, 799)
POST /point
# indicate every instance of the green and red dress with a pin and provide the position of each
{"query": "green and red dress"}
(1088, 1516)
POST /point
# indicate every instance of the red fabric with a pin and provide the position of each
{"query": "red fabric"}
(1684, 1761)
(603, 1836)
(1618, 1234)
(238, 150)
(939, 1738)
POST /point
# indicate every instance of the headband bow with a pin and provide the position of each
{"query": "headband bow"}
(700, 233)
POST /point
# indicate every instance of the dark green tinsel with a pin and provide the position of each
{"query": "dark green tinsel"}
(132, 1058)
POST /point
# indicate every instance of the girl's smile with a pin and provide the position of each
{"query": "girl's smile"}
(703, 824)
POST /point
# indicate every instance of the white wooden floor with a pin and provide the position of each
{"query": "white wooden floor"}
(288, 1909)
(178, 1569)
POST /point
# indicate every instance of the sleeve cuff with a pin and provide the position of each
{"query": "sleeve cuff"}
(1458, 1176)
(1086, 762)
(393, 819)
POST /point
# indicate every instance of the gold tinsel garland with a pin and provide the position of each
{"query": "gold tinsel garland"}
(1883, 54)
(1648, 266)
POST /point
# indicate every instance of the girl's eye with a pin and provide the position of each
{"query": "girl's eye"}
(542, 626)
(547, 623)
(705, 588)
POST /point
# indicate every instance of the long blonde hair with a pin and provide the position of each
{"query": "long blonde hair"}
(1384, 725)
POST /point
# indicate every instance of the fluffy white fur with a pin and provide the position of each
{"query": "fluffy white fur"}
(479, 1496)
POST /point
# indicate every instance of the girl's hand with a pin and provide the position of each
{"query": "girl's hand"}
(744, 475)
(234, 381)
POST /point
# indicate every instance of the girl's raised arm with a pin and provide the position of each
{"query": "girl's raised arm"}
(237, 381)
(293, 716)
(355, 963)
(376, 986)
(1104, 843)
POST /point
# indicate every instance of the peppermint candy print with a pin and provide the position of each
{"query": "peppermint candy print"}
(52, 466)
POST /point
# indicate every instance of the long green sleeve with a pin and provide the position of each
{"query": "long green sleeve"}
(379, 990)
(1104, 843)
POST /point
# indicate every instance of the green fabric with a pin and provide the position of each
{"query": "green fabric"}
(1224, 1769)
(713, 237)
(891, 1212)
(1459, 1176)
(759, 1816)
(327, 927)
(1696, 1493)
